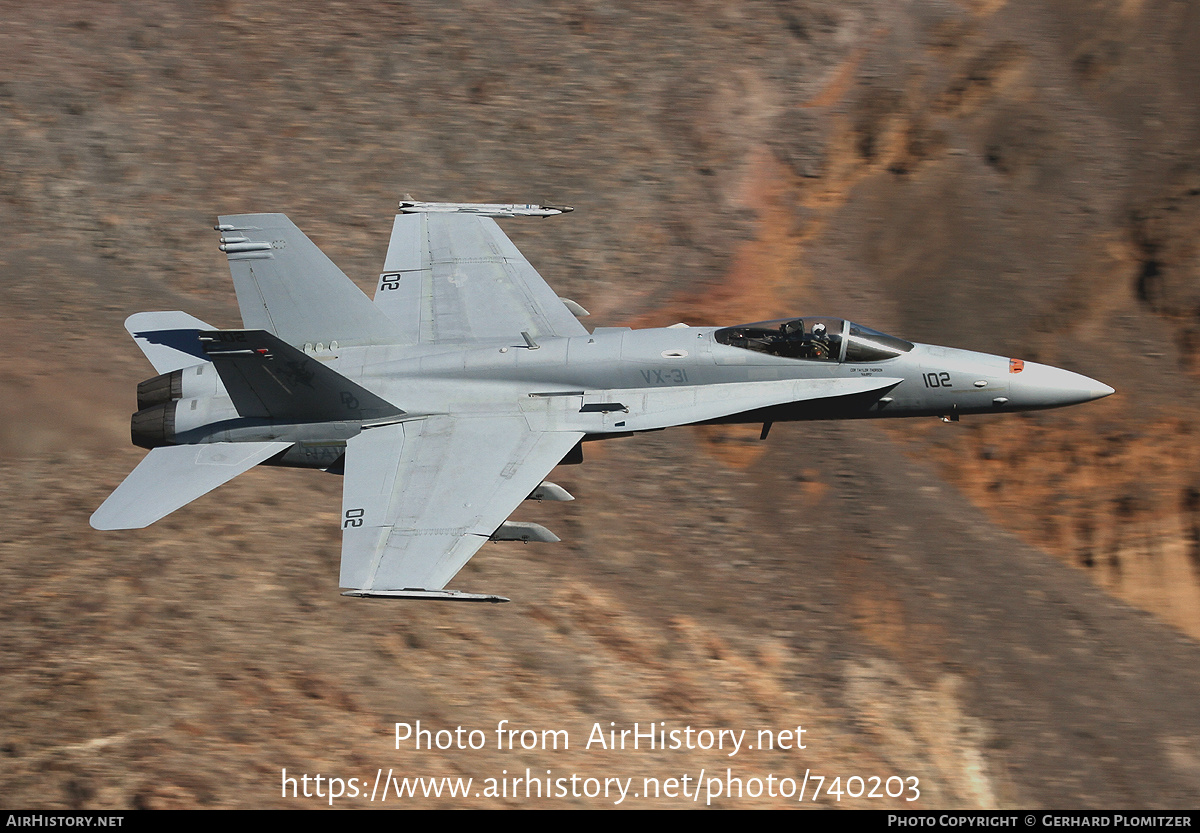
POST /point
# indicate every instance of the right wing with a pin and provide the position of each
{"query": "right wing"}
(421, 497)
(458, 278)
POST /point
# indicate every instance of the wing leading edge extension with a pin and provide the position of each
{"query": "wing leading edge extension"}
(421, 497)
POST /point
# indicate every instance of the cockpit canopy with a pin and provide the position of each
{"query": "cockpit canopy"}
(815, 339)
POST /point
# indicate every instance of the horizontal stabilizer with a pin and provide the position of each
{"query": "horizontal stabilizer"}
(173, 476)
(268, 379)
(427, 595)
(168, 339)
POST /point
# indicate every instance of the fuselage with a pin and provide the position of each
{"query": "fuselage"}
(612, 381)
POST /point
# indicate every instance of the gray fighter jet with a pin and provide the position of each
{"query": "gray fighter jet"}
(448, 400)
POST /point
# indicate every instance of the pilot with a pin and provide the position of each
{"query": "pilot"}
(819, 346)
(791, 338)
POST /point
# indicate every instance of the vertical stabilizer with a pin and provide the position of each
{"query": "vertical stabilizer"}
(288, 287)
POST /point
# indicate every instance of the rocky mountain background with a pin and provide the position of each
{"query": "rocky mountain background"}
(1004, 609)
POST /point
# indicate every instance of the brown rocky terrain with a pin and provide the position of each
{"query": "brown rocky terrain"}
(1006, 609)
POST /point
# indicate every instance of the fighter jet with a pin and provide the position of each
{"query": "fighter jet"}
(446, 401)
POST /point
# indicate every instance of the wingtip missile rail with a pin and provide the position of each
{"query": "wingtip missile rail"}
(482, 209)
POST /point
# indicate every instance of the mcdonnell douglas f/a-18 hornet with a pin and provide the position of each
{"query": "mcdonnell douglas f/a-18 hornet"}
(447, 400)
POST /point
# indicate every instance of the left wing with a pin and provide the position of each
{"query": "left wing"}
(457, 277)
(421, 497)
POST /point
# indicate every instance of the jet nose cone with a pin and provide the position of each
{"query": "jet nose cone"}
(1043, 386)
(1078, 388)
